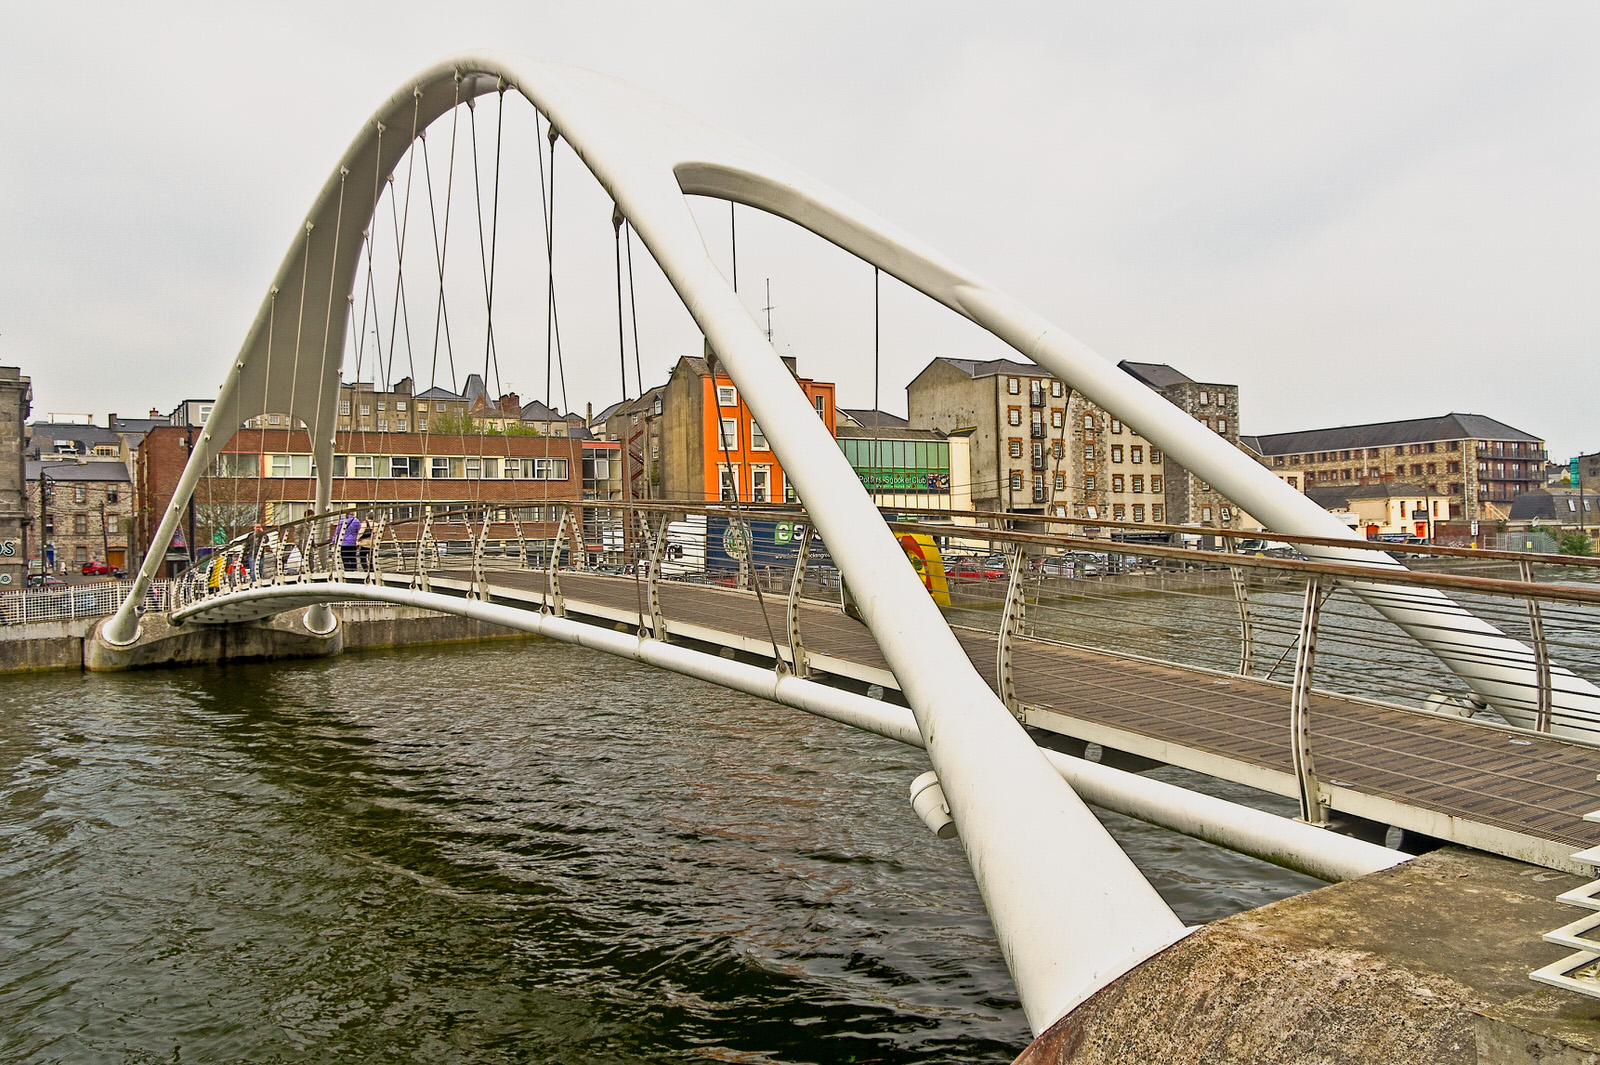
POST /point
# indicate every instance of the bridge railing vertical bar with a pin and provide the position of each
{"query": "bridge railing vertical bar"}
(1011, 624)
(797, 647)
(553, 603)
(1541, 652)
(1312, 810)
(1241, 594)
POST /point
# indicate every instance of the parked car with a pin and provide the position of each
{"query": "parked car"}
(96, 568)
(47, 581)
(976, 569)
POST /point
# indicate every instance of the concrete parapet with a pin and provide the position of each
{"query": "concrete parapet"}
(162, 643)
(1425, 962)
(44, 645)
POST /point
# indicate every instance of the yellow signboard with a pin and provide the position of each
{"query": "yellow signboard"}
(929, 564)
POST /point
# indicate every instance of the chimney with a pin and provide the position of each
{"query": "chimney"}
(588, 413)
(154, 413)
(510, 403)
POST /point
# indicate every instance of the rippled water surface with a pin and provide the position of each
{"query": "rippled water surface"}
(522, 852)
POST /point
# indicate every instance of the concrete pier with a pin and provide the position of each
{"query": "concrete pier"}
(1427, 962)
(73, 645)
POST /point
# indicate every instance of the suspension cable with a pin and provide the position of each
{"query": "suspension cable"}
(733, 241)
(622, 343)
(633, 306)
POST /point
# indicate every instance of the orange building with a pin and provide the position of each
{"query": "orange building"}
(712, 447)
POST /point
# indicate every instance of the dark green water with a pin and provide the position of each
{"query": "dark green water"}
(513, 853)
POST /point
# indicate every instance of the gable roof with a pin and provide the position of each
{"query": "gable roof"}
(1387, 434)
(867, 418)
(976, 368)
(101, 470)
(437, 393)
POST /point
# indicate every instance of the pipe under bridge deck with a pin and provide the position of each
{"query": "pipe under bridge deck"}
(1359, 763)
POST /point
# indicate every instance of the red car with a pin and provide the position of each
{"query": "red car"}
(97, 569)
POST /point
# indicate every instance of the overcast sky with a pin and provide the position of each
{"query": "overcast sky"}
(1356, 212)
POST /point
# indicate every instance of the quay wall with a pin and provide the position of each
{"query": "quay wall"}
(68, 644)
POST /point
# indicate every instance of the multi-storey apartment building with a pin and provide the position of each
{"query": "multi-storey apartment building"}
(1480, 464)
(713, 448)
(637, 425)
(1037, 447)
(266, 475)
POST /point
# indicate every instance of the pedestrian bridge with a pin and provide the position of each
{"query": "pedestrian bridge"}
(1063, 633)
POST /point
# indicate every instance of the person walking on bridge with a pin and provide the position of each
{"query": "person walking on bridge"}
(346, 533)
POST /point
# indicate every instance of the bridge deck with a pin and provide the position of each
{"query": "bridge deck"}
(1513, 794)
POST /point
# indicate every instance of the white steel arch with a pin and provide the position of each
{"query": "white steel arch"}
(1070, 911)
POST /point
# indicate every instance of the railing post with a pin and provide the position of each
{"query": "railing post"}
(553, 603)
(1312, 811)
(1241, 596)
(1541, 651)
(480, 584)
(658, 549)
(420, 580)
(1011, 623)
(797, 648)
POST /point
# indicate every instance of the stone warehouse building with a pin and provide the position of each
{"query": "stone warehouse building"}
(85, 508)
(1037, 447)
(16, 400)
(1480, 464)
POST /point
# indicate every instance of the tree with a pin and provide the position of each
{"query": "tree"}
(1577, 543)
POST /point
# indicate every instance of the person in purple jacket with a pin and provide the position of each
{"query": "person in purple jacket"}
(346, 531)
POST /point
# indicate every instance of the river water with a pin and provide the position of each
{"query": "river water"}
(518, 852)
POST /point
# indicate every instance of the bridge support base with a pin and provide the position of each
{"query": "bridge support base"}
(162, 643)
(1426, 961)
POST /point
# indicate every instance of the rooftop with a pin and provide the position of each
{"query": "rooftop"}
(1387, 434)
(1157, 375)
(873, 419)
(93, 470)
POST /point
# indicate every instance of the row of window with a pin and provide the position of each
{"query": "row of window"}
(1345, 455)
(398, 466)
(80, 525)
(899, 454)
(399, 405)
(1135, 454)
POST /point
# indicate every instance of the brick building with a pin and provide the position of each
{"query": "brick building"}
(267, 475)
(1480, 464)
(713, 448)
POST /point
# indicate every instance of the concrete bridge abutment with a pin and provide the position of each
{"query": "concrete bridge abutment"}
(162, 643)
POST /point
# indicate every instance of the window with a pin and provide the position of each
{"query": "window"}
(439, 466)
(1116, 426)
(1205, 397)
(1433, 467)
(1119, 512)
(1061, 481)
(1055, 388)
(1226, 513)
(344, 407)
(1088, 452)
(1088, 482)
(1294, 482)
(399, 404)
(1138, 483)
(80, 493)
(1136, 453)
(1138, 512)
(730, 433)
(272, 419)
(400, 425)
(726, 396)
(1013, 385)
(401, 466)
(80, 555)
(1157, 512)
(113, 525)
(1055, 419)
(112, 495)
(422, 408)
(422, 425)
(1060, 450)
(1088, 423)
(1016, 480)
(758, 439)
(1014, 415)
(821, 403)
(1116, 452)
(1117, 482)
(760, 481)
(205, 412)
(1222, 427)
(366, 409)
(729, 490)
(382, 405)
(1155, 483)
(80, 524)
(1205, 513)
(1016, 447)
(1155, 457)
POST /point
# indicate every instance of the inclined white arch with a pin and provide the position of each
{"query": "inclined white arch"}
(1071, 912)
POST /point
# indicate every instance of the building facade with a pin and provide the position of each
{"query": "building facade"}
(1038, 447)
(16, 401)
(1391, 508)
(268, 476)
(85, 509)
(905, 467)
(712, 447)
(1480, 464)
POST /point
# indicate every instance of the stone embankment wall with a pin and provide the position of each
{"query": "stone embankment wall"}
(50, 645)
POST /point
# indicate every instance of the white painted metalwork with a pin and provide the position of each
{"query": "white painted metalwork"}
(1579, 971)
(1070, 910)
